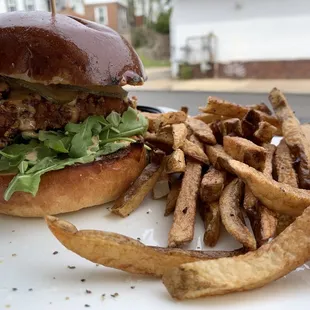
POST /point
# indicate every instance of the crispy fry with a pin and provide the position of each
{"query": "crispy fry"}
(161, 188)
(260, 107)
(231, 214)
(212, 185)
(182, 230)
(194, 151)
(284, 165)
(245, 151)
(179, 133)
(286, 174)
(232, 110)
(151, 118)
(212, 221)
(133, 197)
(201, 130)
(163, 136)
(173, 197)
(231, 127)
(217, 131)
(176, 162)
(214, 153)
(209, 118)
(276, 196)
(249, 202)
(264, 133)
(294, 136)
(170, 118)
(124, 253)
(184, 109)
(252, 270)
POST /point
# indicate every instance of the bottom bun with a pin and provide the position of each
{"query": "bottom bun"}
(79, 186)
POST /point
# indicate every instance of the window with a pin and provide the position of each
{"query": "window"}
(101, 15)
(29, 5)
(122, 19)
(11, 5)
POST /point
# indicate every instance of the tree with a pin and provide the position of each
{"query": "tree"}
(162, 24)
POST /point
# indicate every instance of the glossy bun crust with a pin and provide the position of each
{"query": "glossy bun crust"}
(61, 49)
(77, 187)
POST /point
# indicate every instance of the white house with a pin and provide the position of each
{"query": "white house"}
(23, 5)
(245, 38)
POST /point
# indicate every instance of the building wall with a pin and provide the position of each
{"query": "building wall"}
(40, 5)
(246, 30)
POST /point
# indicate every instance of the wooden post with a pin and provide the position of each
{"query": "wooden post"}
(53, 6)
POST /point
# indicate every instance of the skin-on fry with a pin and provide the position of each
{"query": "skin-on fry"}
(264, 133)
(231, 127)
(163, 136)
(179, 133)
(231, 214)
(201, 130)
(173, 197)
(214, 153)
(232, 110)
(249, 202)
(255, 269)
(264, 223)
(194, 151)
(124, 253)
(212, 221)
(294, 136)
(151, 118)
(276, 196)
(170, 118)
(209, 118)
(182, 230)
(260, 107)
(306, 130)
(212, 185)
(133, 197)
(176, 162)
(285, 173)
(245, 151)
(283, 163)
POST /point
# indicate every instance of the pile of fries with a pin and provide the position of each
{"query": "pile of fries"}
(220, 163)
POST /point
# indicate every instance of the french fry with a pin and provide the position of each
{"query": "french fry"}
(124, 253)
(306, 130)
(264, 223)
(194, 151)
(182, 230)
(214, 153)
(211, 217)
(255, 269)
(231, 214)
(286, 174)
(161, 188)
(232, 110)
(176, 162)
(276, 196)
(245, 151)
(184, 109)
(294, 136)
(173, 197)
(136, 193)
(170, 118)
(260, 107)
(151, 118)
(179, 133)
(201, 130)
(163, 136)
(209, 118)
(264, 133)
(231, 127)
(212, 185)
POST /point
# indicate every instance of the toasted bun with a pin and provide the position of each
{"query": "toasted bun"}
(41, 48)
(77, 187)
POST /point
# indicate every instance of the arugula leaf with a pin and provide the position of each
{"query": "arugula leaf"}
(30, 181)
(111, 147)
(114, 119)
(23, 165)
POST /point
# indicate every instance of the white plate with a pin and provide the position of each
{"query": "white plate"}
(27, 262)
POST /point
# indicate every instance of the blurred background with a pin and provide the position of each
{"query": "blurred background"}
(235, 49)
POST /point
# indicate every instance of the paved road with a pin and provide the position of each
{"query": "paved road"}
(300, 103)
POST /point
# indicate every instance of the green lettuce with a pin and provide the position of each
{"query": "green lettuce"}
(76, 144)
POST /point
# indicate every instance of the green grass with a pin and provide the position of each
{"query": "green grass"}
(151, 63)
